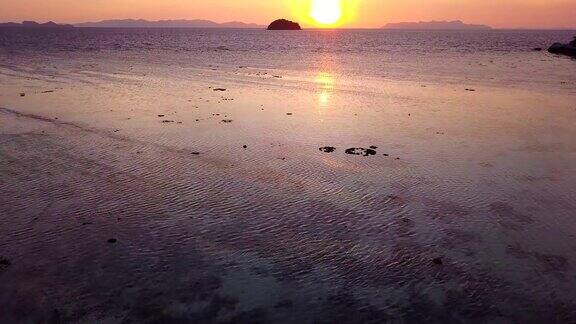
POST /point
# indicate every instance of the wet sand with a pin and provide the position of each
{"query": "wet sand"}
(210, 196)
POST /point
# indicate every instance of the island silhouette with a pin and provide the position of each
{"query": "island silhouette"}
(436, 25)
(283, 24)
(181, 23)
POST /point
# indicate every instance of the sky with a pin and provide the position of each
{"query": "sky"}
(355, 13)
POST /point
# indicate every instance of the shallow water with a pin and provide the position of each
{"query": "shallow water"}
(280, 231)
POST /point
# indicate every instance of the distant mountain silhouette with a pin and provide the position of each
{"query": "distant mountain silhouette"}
(436, 25)
(33, 24)
(141, 23)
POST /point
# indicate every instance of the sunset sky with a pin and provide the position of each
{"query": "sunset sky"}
(356, 13)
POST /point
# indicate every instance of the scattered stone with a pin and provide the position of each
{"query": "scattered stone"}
(374, 147)
(437, 261)
(22, 94)
(328, 149)
(472, 90)
(245, 146)
(112, 240)
(226, 120)
(537, 49)
(385, 154)
(167, 121)
(161, 115)
(361, 151)
(4, 263)
(219, 89)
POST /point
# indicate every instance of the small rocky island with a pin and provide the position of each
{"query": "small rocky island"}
(283, 24)
(564, 49)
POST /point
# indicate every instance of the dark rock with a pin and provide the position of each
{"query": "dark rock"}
(289, 114)
(22, 94)
(245, 146)
(374, 147)
(219, 89)
(161, 115)
(195, 153)
(167, 121)
(564, 49)
(283, 24)
(537, 49)
(437, 261)
(361, 151)
(112, 240)
(4, 263)
(48, 91)
(328, 149)
(226, 120)
(467, 89)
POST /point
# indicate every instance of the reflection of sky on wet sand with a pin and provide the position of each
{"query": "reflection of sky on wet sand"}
(280, 208)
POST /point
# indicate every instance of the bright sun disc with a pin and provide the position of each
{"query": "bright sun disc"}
(326, 12)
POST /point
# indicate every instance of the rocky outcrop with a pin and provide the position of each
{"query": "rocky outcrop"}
(564, 49)
(283, 24)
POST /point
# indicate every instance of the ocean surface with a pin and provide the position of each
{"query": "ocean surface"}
(206, 175)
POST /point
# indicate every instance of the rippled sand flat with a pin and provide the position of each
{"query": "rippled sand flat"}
(162, 191)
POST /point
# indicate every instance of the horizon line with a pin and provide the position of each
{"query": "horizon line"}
(304, 27)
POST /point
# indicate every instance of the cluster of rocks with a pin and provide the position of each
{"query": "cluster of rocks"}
(371, 151)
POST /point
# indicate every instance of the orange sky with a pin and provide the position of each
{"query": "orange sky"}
(366, 13)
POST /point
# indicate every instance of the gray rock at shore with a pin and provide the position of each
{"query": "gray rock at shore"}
(283, 24)
(564, 49)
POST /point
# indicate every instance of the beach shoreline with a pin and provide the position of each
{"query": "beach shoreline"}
(201, 193)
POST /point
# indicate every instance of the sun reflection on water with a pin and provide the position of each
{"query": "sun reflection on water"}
(325, 82)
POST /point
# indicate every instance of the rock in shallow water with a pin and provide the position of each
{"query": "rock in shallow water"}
(4, 263)
(360, 151)
(564, 49)
(328, 149)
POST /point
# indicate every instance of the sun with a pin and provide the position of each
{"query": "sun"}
(326, 12)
